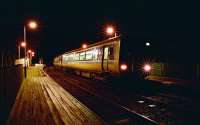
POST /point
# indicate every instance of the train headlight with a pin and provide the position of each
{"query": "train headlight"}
(123, 67)
(147, 68)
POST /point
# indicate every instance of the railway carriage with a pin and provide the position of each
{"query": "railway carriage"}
(109, 57)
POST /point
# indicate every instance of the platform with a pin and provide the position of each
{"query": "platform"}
(169, 80)
(41, 101)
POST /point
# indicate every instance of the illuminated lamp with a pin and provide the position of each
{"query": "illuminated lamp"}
(123, 67)
(147, 68)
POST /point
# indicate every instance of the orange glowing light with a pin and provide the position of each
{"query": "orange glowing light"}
(84, 46)
(32, 24)
(110, 30)
(123, 67)
(29, 51)
(23, 44)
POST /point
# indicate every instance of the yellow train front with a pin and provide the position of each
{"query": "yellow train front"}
(109, 57)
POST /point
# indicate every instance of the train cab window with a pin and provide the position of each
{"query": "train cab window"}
(82, 56)
(111, 53)
(106, 53)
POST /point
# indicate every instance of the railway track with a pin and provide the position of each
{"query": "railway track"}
(140, 110)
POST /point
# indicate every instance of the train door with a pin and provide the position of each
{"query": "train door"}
(105, 59)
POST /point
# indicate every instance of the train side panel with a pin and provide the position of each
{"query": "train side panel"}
(107, 59)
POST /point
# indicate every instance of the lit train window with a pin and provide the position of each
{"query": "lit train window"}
(76, 56)
(95, 54)
(100, 52)
(70, 57)
(82, 56)
(89, 55)
(65, 57)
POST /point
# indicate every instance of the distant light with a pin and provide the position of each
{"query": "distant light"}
(33, 53)
(148, 44)
(147, 68)
(152, 105)
(141, 101)
(84, 46)
(32, 25)
(23, 44)
(29, 51)
(110, 30)
(123, 67)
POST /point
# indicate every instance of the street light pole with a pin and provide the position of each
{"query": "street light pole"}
(25, 56)
(31, 25)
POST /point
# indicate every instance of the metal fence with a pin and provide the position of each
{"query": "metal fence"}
(179, 70)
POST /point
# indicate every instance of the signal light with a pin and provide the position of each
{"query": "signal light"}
(147, 68)
(29, 51)
(123, 67)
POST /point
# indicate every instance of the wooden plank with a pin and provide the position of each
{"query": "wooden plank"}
(42, 101)
(62, 114)
(54, 112)
(69, 109)
(82, 110)
(29, 107)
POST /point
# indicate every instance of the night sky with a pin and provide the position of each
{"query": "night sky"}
(64, 24)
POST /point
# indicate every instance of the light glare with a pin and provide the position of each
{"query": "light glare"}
(23, 44)
(84, 46)
(33, 25)
(123, 66)
(147, 44)
(29, 51)
(147, 68)
(110, 30)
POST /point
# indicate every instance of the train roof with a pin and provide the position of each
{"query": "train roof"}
(95, 44)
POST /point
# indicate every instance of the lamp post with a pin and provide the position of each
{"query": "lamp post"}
(32, 54)
(31, 25)
(29, 56)
(18, 51)
(22, 44)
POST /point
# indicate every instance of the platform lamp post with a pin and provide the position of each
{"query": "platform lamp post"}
(29, 56)
(31, 25)
(19, 51)
(22, 44)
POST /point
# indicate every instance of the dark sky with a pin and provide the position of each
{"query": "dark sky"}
(65, 24)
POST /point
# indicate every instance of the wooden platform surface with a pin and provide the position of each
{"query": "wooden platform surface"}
(41, 101)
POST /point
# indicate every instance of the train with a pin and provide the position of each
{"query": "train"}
(117, 56)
